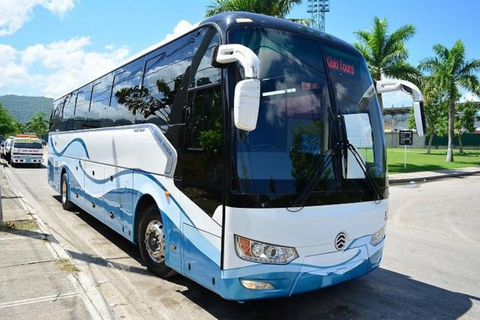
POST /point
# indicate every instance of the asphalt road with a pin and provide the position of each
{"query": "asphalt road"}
(430, 268)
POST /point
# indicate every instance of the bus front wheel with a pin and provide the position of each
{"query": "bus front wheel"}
(65, 192)
(152, 242)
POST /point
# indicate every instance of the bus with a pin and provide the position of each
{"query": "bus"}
(247, 155)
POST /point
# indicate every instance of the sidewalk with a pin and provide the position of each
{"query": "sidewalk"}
(36, 280)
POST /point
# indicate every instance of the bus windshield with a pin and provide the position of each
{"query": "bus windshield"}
(28, 145)
(319, 127)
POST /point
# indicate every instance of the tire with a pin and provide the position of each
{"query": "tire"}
(65, 193)
(151, 242)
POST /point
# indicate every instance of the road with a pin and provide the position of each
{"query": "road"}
(430, 268)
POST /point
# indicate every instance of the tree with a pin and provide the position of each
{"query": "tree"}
(38, 124)
(275, 8)
(435, 108)
(450, 71)
(8, 125)
(386, 53)
(466, 113)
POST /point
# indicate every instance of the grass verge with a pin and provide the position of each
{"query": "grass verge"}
(66, 265)
(20, 225)
(419, 160)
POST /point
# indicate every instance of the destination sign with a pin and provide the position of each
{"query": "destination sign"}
(340, 65)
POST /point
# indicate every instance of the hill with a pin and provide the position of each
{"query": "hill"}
(23, 108)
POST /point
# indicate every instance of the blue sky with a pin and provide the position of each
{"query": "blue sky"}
(48, 47)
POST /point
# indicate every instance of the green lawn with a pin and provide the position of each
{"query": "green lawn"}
(419, 160)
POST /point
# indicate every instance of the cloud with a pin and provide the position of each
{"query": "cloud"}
(55, 68)
(181, 27)
(58, 67)
(15, 13)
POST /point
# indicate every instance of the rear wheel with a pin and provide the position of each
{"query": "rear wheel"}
(65, 192)
(151, 240)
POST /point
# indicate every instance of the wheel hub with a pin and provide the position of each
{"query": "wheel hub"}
(155, 241)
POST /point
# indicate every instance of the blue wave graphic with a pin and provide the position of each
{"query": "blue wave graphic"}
(61, 153)
(138, 172)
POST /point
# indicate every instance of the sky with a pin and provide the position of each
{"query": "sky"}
(49, 47)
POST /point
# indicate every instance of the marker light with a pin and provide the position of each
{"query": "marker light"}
(256, 251)
(377, 236)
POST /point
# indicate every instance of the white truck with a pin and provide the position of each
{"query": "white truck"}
(25, 149)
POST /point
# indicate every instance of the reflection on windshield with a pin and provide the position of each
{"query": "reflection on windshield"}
(290, 134)
(305, 123)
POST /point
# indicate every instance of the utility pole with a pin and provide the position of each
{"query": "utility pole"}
(318, 8)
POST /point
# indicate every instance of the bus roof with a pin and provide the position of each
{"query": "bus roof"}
(224, 22)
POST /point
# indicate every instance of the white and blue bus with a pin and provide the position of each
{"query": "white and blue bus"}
(247, 154)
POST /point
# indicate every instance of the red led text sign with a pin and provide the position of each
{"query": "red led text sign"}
(340, 65)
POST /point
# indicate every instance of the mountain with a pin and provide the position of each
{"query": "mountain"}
(23, 108)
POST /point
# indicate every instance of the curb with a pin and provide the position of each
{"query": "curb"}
(433, 175)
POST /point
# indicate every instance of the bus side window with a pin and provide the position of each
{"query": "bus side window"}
(56, 116)
(99, 102)
(202, 167)
(81, 109)
(66, 122)
(126, 94)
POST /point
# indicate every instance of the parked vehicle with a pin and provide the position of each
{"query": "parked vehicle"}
(25, 149)
(5, 151)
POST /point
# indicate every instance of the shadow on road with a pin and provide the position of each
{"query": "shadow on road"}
(381, 295)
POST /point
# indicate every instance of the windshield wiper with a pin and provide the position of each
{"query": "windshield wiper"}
(320, 166)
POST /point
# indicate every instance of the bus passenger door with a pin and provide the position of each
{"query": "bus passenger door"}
(94, 189)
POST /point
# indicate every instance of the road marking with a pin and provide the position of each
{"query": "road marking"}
(26, 263)
(51, 298)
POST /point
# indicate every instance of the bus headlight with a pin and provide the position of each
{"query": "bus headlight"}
(257, 251)
(378, 236)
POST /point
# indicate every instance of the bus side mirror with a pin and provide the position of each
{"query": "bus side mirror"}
(246, 104)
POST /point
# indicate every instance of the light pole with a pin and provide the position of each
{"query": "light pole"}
(318, 8)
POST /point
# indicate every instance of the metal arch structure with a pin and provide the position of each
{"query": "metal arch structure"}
(318, 8)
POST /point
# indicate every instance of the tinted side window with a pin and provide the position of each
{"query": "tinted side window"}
(56, 115)
(68, 111)
(164, 74)
(81, 109)
(201, 158)
(99, 103)
(125, 94)
(202, 162)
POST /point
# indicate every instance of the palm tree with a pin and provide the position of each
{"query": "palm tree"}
(38, 124)
(276, 8)
(386, 53)
(451, 72)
